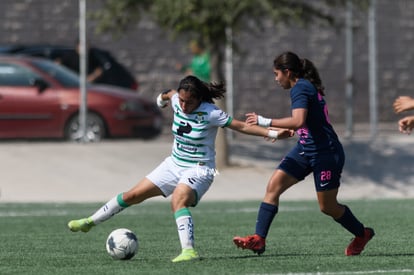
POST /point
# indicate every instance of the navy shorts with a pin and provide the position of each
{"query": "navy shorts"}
(326, 166)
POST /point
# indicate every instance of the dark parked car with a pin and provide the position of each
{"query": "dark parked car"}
(114, 73)
(39, 99)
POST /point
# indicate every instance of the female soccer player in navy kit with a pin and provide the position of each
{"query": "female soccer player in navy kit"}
(318, 151)
(189, 171)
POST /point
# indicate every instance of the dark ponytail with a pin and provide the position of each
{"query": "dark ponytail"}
(311, 73)
(204, 91)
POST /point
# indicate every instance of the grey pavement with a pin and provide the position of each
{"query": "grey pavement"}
(57, 171)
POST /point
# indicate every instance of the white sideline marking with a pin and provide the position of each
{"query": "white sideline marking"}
(343, 272)
(58, 212)
(34, 213)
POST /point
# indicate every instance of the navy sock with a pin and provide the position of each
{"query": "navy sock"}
(264, 218)
(351, 223)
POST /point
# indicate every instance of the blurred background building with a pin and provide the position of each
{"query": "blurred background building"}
(151, 55)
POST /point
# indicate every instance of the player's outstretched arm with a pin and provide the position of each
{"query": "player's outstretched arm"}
(272, 133)
(296, 121)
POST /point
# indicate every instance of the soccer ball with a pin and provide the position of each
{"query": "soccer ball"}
(122, 244)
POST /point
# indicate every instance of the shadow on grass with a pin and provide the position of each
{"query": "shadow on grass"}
(264, 256)
(384, 162)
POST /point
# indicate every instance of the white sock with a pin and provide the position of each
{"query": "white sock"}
(112, 207)
(185, 228)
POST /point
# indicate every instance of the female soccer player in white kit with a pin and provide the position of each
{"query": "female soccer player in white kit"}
(189, 171)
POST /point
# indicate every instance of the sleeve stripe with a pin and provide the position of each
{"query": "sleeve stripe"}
(228, 122)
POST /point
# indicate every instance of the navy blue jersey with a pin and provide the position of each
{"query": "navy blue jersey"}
(317, 135)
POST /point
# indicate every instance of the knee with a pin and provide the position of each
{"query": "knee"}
(181, 199)
(279, 183)
(273, 193)
(178, 203)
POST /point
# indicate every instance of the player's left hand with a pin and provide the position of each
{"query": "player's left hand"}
(403, 103)
(282, 134)
(251, 118)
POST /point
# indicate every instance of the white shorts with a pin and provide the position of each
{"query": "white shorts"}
(168, 174)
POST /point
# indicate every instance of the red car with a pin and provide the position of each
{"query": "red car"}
(41, 99)
(114, 73)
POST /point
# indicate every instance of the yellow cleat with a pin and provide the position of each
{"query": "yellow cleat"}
(83, 225)
(186, 255)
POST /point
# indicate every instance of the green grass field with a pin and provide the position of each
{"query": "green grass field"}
(35, 240)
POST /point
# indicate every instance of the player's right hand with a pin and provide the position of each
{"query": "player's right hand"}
(406, 125)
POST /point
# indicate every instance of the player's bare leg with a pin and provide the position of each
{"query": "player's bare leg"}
(143, 190)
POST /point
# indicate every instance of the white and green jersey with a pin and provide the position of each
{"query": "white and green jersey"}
(195, 133)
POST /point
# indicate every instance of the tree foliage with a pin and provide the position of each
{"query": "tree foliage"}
(208, 19)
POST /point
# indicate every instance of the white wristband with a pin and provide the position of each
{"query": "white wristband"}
(273, 134)
(160, 102)
(264, 122)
